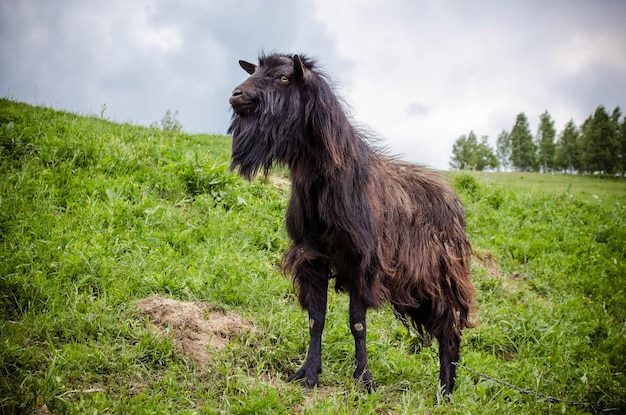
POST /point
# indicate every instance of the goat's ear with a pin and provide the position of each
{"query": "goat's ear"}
(247, 66)
(298, 68)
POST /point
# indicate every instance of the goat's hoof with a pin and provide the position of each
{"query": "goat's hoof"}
(365, 378)
(370, 386)
(307, 377)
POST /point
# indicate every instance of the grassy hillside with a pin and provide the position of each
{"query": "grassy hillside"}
(95, 216)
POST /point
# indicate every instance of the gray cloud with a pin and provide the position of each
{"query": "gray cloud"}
(419, 73)
(143, 58)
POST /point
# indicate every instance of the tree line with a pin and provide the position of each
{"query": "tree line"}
(598, 146)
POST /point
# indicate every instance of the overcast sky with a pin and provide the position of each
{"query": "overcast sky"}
(419, 73)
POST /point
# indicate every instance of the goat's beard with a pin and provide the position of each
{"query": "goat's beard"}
(272, 132)
(252, 146)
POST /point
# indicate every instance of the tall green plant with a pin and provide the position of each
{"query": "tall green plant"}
(622, 147)
(546, 134)
(599, 143)
(523, 149)
(469, 154)
(567, 151)
(503, 149)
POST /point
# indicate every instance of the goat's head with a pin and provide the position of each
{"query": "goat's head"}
(278, 111)
(274, 74)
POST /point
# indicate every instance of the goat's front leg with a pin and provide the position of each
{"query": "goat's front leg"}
(312, 367)
(358, 326)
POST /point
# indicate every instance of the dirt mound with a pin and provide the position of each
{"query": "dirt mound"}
(198, 328)
(487, 261)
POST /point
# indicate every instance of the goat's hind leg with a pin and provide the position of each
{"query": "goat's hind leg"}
(449, 343)
(358, 327)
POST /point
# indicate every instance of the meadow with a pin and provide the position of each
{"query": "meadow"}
(96, 216)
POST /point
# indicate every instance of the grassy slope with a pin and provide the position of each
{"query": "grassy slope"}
(95, 215)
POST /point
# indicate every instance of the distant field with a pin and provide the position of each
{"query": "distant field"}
(577, 185)
(138, 275)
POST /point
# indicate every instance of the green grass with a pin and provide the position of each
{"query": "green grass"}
(584, 187)
(96, 215)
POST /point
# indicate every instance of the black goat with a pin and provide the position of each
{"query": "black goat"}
(383, 229)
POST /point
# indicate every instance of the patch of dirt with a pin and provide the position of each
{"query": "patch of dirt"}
(279, 181)
(198, 328)
(514, 282)
(319, 394)
(487, 261)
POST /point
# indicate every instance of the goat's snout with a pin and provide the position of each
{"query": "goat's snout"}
(237, 97)
(241, 102)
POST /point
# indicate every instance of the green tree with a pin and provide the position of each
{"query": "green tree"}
(523, 149)
(567, 149)
(462, 150)
(616, 116)
(485, 157)
(622, 147)
(545, 142)
(584, 144)
(503, 149)
(469, 154)
(599, 143)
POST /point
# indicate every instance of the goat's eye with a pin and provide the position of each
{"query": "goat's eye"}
(284, 79)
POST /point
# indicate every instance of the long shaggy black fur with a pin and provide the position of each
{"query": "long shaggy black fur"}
(385, 230)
